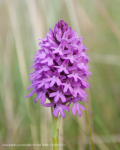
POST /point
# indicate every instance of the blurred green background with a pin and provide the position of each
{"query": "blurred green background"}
(22, 23)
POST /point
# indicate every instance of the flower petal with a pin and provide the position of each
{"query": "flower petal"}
(65, 88)
(52, 81)
(74, 109)
(30, 94)
(43, 98)
(58, 81)
(52, 94)
(55, 112)
(29, 87)
(79, 112)
(50, 62)
(71, 89)
(65, 107)
(62, 113)
(47, 85)
(35, 100)
(40, 85)
(56, 98)
(63, 98)
(82, 107)
(49, 104)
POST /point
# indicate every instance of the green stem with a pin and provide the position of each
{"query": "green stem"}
(55, 138)
(55, 131)
(90, 133)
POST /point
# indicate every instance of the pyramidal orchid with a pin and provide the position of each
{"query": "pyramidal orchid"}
(61, 71)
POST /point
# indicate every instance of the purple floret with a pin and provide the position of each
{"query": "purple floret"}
(61, 70)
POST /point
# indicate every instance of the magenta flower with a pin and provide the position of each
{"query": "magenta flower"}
(60, 70)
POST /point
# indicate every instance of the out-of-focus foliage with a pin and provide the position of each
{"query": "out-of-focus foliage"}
(22, 23)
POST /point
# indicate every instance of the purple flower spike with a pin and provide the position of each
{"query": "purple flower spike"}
(60, 70)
